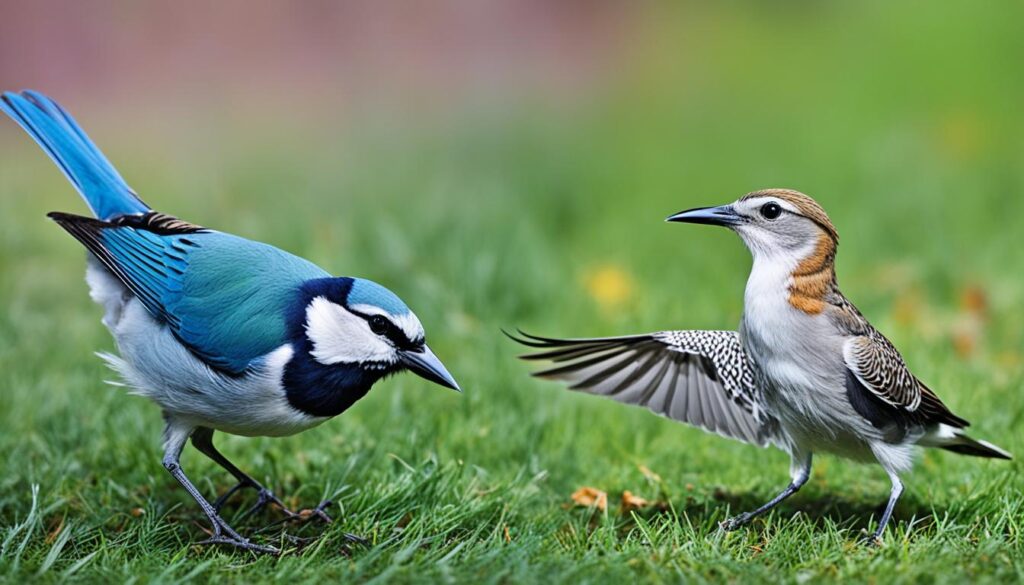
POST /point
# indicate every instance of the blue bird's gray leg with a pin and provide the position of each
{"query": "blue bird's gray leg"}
(202, 439)
(174, 441)
(800, 470)
(894, 496)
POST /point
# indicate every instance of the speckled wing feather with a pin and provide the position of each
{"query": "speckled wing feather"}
(880, 369)
(699, 377)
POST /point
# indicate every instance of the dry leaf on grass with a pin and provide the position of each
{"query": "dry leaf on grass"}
(588, 496)
(969, 327)
(52, 536)
(650, 475)
(632, 502)
(974, 300)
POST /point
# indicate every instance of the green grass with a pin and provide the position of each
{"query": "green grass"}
(487, 220)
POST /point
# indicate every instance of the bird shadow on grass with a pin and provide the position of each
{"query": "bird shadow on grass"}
(704, 512)
(845, 512)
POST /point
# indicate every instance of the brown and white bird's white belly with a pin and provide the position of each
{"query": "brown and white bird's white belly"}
(798, 363)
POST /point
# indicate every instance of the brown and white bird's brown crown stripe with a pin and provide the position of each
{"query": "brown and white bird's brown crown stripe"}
(806, 372)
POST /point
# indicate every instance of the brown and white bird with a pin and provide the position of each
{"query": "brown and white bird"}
(806, 372)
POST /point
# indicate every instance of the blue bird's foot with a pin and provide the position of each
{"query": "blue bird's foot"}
(300, 517)
(241, 543)
(303, 516)
(318, 512)
(223, 533)
(355, 539)
(265, 496)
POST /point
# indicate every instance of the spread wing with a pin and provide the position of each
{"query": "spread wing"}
(699, 377)
(224, 297)
(880, 370)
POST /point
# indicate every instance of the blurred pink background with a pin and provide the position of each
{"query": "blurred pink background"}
(346, 56)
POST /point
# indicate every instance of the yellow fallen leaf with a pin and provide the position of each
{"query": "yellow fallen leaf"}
(591, 497)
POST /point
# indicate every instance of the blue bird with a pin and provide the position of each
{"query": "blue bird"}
(223, 333)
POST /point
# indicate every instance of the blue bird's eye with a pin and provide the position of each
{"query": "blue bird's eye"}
(378, 324)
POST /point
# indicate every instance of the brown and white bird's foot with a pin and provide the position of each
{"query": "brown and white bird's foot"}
(800, 470)
(894, 495)
(736, 522)
(874, 540)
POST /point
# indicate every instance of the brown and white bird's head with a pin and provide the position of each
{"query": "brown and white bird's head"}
(772, 223)
(790, 236)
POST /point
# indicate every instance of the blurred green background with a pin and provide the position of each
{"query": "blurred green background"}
(507, 164)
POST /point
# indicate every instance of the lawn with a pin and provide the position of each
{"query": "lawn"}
(904, 123)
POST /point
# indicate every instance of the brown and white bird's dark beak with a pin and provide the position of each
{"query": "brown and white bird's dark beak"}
(723, 215)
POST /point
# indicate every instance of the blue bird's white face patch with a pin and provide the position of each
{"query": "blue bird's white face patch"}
(345, 335)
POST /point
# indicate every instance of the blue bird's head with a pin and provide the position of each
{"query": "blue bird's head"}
(362, 332)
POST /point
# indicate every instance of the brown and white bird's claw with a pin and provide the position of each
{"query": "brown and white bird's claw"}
(736, 522)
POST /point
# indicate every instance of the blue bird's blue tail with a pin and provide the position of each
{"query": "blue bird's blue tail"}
(83, 164)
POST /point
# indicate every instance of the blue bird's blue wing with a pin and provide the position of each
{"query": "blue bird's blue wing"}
(106, 193)
(223, 296)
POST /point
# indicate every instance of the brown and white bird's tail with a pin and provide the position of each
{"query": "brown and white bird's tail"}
(955, 440)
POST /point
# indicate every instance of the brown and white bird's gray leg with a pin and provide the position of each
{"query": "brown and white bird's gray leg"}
(175, 437)
(202, 439)
(800, 472)
(894, 496)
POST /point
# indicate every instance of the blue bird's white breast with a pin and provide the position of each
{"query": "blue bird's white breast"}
(156, 365)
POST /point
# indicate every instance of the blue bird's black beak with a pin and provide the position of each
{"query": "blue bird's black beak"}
(723, 215)
(425, 364)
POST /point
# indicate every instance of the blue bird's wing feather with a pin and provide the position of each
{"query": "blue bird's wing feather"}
(106, 193)
(234, 296)
(224, 297)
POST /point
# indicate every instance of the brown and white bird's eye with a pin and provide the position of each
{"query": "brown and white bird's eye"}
(771, 210)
